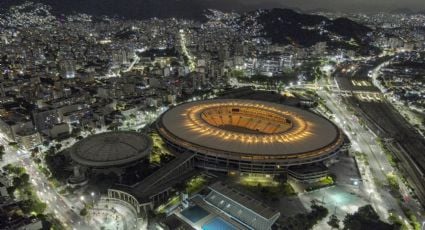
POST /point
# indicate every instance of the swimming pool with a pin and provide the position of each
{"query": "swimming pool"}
(194, 213)
(218, 224)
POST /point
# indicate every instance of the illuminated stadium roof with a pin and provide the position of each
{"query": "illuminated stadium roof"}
(252, 130)
(111, 149)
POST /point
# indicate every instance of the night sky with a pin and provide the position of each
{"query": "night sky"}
(345, 5)
(164, 8)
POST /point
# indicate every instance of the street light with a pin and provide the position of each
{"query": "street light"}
(82, 198)
(92, 198)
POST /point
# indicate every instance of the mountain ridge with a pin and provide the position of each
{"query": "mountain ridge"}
(140, 9)
(286, 26)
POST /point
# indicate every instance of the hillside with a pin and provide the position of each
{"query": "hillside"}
(286, 26)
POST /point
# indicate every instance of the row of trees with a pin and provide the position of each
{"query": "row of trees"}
(30, 205)
(364, 218)
(304, 221)
(21, 186)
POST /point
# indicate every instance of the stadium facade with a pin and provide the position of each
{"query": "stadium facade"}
(250, 136)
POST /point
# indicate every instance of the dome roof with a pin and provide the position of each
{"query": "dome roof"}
(111, 149)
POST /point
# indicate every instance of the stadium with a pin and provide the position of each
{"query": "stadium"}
(250, 136)
(235, 137)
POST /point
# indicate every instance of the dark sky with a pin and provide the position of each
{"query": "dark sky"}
(162, 8)
(346, 5)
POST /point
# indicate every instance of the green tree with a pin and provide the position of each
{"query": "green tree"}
(365, 218)
(58, 146)
(21, 180)
(333, 221)
(10, 169)
(2, 152)
(84, 212)
(38, 206)
(33, 205)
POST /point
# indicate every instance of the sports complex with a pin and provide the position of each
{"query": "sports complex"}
(250, 136)
(234, 136)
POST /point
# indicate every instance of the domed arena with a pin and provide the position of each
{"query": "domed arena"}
(111, 149)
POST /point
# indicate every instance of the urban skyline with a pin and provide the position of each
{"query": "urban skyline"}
(179, 115)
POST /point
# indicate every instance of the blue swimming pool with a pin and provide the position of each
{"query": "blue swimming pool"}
(194, 213)
(218, 224)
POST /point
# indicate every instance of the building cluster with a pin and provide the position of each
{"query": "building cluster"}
(403, 78)
(398, 31)
(63, 76)
(59, 76)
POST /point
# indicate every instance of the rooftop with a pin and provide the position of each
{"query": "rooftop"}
(250, 128)
(244, 200)
(111, 149)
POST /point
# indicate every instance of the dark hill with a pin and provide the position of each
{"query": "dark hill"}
(286, 26)
(141, 9)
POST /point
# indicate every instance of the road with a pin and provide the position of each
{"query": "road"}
(364, 141)
(56, 204)
(412, 118)
(185, 52)
(135, 61)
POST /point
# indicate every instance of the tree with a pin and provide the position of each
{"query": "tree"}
(84, 212)
(303, 221)
(21, 180)
(2, 152)
(1, 155)
(33, 205)
(181, 187)
(58, 146)
(14, 169)
(333, 221)
(38, 206)
(365, 218)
